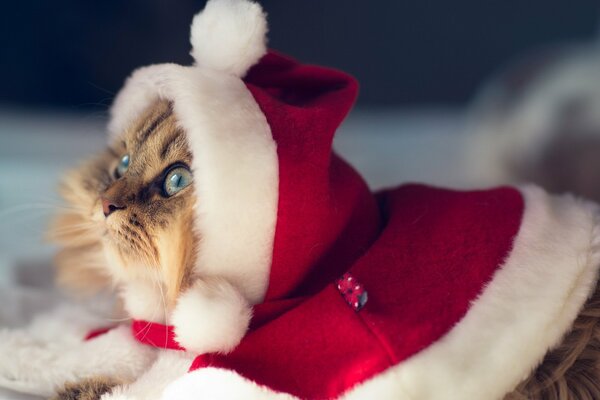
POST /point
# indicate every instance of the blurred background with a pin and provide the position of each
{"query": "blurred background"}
(460, 93)
(74, 55)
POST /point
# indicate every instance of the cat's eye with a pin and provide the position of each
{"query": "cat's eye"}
(123, 166)
(176, 179)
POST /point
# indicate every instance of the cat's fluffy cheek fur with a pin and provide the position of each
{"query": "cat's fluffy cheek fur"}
(177, 248)
(212, 316)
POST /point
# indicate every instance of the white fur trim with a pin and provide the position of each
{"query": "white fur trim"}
(229, 36)
(169, 366)
(212, 316)
(526, 309)
(41, 357)
(219, 384)
(235, 167)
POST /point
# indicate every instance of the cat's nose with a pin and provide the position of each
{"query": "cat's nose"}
(109, 206)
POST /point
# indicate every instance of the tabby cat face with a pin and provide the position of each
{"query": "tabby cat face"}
(132, 209)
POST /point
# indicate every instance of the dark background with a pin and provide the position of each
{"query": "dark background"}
(75, 54)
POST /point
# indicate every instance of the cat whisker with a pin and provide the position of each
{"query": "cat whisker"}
(57, 204)
(162, 296)
(118, 319)
(77, 234)
(61, 203)
(146, 330)
(27, 207)
(76, 228)
(89, 263)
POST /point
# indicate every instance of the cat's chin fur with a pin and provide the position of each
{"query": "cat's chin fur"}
(143, 300)
(141, 287)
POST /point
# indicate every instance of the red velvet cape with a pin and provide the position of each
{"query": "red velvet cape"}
(433, 254)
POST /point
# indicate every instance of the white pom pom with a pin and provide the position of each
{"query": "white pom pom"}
(229, 36)
(212, 316)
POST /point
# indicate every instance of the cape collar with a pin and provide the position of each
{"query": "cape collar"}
(163, 336)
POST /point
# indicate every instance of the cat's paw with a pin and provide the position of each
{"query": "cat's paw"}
(88, 389)
(212, 316)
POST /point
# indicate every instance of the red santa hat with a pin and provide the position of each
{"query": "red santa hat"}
(282, 217)
(273, 198)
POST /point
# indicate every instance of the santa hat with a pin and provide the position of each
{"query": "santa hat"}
(273, 198)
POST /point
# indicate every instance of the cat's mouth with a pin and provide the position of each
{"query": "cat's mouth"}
(129, 236)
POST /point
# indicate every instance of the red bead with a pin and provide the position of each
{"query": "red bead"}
(352, 291)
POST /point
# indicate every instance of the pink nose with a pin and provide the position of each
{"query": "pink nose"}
(110, 206)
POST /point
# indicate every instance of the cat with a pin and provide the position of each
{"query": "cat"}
(130, 223)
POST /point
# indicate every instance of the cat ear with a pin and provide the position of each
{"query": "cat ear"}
(229, 36)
